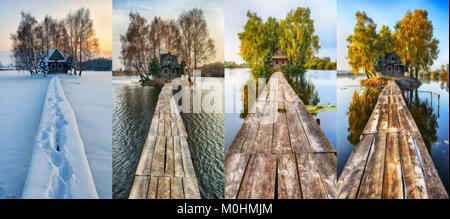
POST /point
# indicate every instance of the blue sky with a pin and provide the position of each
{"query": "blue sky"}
(323, 13)
(388, 12)
(167, 9)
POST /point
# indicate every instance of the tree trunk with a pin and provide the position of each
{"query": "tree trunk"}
(80, 59)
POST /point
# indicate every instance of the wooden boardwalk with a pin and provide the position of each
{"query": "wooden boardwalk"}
(280, 151)
(391, 160)
(165, 169)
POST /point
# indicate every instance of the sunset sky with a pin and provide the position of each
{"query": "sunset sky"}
(101, 14)
(388, 12)
(167, 9)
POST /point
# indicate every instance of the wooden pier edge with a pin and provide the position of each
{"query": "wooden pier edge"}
(391, 160)
(280, 151)
(165, 169)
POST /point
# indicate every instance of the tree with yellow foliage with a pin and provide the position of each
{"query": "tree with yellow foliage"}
(414, 41)
(362, 47)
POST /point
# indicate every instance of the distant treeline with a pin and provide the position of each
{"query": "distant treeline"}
(213, 70)
(99, 64)
(321, 64)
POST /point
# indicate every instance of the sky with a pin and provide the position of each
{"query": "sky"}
(389, 12)
(323, 13)
(167, 9)
(101, 14)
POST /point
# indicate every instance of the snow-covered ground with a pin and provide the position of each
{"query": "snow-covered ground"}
(91, 98)
(21, 103)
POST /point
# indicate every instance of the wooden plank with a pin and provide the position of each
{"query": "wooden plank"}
(153, 188)
(145, 161)
(154, 127)
(181, 130)
(372, 183)
(163, 188)
(326, 164)
(176, 188)
(139, 188)
(167, 126)
(259, 179)
(170, 158)
(435, 188)
(174, 127)
(392, 184)
(351, 176)
(281, 140)
(415, 187)
(298, 139)
(384, 118)
(188, 167)
(310, 180)
(157, 168)
(161, 130)
(178, 159)
(288, 181)
(239, 140)
(191, 188)
(371, 126)
(393, 118)
(235, 166)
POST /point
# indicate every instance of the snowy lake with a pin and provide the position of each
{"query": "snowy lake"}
(21, 103)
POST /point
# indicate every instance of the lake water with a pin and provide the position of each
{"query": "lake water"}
(356, 103)
(315, 88)
(133, 107)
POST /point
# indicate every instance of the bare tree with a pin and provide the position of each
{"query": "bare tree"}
(172, 38)
(202, 45)
(156, 34)
(24, 44)
(72, 25)
(135, 51)
(186, 34)
(88, 42)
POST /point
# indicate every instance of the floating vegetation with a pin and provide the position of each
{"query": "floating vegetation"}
(321, 108)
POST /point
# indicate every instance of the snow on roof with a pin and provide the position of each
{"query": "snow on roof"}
(50, 52)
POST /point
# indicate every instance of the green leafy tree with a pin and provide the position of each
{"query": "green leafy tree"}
(385, 40)
(154, 68)
(378, 63)
(362, 46)
(298, 39)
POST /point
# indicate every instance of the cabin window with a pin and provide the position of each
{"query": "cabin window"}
(276, 62)
(173, 70)
(389, 68)
(60, 66)
(53, 66)
(166, 71)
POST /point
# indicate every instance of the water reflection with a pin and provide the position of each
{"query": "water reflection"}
(359, 112)
(424, 116)
(303, 87)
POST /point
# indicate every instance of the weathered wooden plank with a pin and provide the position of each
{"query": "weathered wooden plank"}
(235, 166)
(161, 131)
(176, 188)
(178, 158)
(145, 161)
(188, 167)
(153, 188)
(191, 188)
(433, 182)
(371, 126)
(163, 188)
(281, 141)
(154, 127)
(350, 179)
(239, 140)
(326, 164)
(139, 188)
(288, 181)
(174, 127)
(170, 157)
(167, 126)
(392, 184)
(384, 118)
(415, 187)
(157, 168)
(372, 183)
(259, 178)
(298, 139)
(310, 180)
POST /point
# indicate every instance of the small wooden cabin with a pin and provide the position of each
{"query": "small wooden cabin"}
(169, 66)
(279, 58)
(57, 63)
(393, 66)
